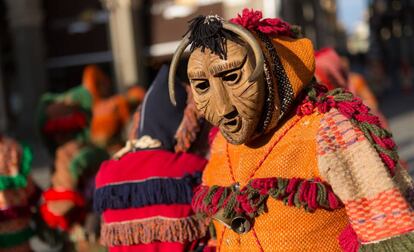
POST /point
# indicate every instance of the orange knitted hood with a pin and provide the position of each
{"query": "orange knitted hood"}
(289, 59)
(296, 56)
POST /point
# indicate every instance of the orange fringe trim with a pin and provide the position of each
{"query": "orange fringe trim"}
(152, 229)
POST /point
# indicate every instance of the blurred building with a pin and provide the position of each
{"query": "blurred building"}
(318, 19)
(168, 21)
(45, 44)
(76, 34)
(392, 38)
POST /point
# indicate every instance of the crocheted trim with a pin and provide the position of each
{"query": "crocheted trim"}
(251, 200)
(152, 229)
(146, 192)
(318, 98)
(402, 243)
(15, 239)
(14, 212)
(20, 180)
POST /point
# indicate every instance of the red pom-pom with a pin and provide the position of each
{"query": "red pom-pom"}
(252, 20)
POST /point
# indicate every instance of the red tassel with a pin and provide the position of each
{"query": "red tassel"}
(293, 183)
(303, 191)
(312, 196)
(348, 240)
(333, 200)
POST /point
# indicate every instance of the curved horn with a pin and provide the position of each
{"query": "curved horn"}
(251, 40)
(173, 68)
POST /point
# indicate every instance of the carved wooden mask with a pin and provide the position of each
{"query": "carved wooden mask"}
(223, 93)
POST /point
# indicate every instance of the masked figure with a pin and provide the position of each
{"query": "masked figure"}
(64, 122)
(145, 192)
(294, 167)
(17, 195)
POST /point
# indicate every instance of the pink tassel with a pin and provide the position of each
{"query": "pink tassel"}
(346, 108)
(303, 191)
(371, 119)
(291, 198)
(293, 183)
(386, 143)
(312, 195)
(333, 200)
(348, 240)
(388, 161)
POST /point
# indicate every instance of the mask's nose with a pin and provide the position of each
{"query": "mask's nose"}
(224, 106)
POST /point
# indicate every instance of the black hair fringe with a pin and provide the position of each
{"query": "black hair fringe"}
(207, 32)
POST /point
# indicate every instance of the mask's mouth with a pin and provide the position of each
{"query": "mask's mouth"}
(231, 122)
(232, 125)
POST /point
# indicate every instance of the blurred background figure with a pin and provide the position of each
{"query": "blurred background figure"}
(145, 192)
(18, 196)
(66, 220)
(333, 71)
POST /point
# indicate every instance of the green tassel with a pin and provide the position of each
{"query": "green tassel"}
(223, 197)
(403, 243)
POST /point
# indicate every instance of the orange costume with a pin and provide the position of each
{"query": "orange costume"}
(324, 177)
(110, 113)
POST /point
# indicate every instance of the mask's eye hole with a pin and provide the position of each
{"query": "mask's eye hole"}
(231, 78)
(201, 86)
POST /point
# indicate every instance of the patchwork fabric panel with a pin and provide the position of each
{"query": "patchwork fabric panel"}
(386, 215)
(375, 202)
(336, 132)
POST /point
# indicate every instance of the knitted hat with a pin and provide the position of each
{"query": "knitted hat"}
(65, 115)
(289, 59)
(172, 128)
(329, 69)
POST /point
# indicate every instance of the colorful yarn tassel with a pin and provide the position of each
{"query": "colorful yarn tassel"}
(352, 107)
(251, 199)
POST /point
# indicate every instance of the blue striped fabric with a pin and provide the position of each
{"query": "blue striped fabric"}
(152, 191)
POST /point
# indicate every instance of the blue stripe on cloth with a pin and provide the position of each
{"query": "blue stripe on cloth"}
(149, 192)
